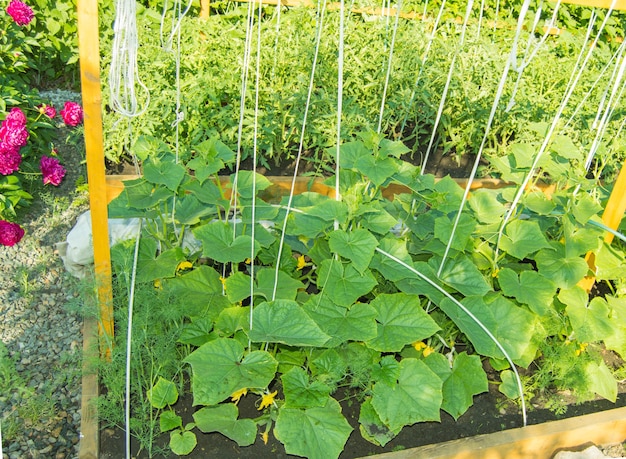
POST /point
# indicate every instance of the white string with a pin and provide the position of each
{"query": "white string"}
(591, 90)
(318, 39)
(124, 71)
(242, 105)
(618, 54)
(530, 56)
(614, 98)
(576, 75)
(431, 38)
(340, 61)
(480, 18)
(446, 87)
(254, 164)
(494, 107)
(129, 335)
(389, 62)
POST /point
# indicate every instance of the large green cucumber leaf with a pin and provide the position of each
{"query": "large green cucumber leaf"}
(602, 380)
(564, 271)
(302, 393)
(223, 419)
(357, 245)
(416, 397)
(511, 325)
(617, 341)
(344, 284)
(284, 321)
(221, 367)
(462, 274)
(319, 432)
(163, 172)
(401, 321)
(531, 288)
(372, 428)
(220, 244)
(466, 380)
(523, 237)
(590, 321)
(354, 323)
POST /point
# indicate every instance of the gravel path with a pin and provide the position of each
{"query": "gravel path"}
(41, 326)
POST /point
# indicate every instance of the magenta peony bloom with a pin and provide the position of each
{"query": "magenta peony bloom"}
(21, 13)
(51, 170)
(10, 233)
(14, 136)
(47, 110)
(10, 159)
(72, 114)
(15, 117)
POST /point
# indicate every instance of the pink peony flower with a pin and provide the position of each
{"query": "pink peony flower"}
(10, 159)
(47, 110)
(21, 13)
(16, 136)
(51, 170)
(72, 114)
(10, 233)
(15, 117)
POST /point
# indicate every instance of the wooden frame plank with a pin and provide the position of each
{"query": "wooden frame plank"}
(619, 4)
(539, 441)
(88, 50)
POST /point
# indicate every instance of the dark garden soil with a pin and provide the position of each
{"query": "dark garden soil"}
(485, 416)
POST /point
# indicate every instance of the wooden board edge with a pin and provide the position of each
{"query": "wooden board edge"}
(89, 445)
(540, 441)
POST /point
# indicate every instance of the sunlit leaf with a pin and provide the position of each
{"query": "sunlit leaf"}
(220, 244)
(353, 323)
(220, 368)
(531, 288)
(466, 380)
(182, 443)
(316, 433)
(302, 393)
(344, 285)
(401, 321)
(284, 321)
(416, 397)
(163, 393)
(357, 246)
(223, 419)
(511, 325)
(523, 237)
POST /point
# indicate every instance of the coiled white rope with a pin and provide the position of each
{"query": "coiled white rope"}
(124, 72)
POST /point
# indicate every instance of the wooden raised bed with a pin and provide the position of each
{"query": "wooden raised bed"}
(536, 441)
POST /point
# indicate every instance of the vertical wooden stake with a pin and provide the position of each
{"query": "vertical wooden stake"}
(612, 217)
(89, 54)
(205, 8)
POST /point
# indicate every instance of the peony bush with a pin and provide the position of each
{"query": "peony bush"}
(27, 125)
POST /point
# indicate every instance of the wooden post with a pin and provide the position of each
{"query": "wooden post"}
(205, 8)
(89, 54)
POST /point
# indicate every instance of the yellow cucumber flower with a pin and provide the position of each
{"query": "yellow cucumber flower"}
(267, 400)
(236, 396)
